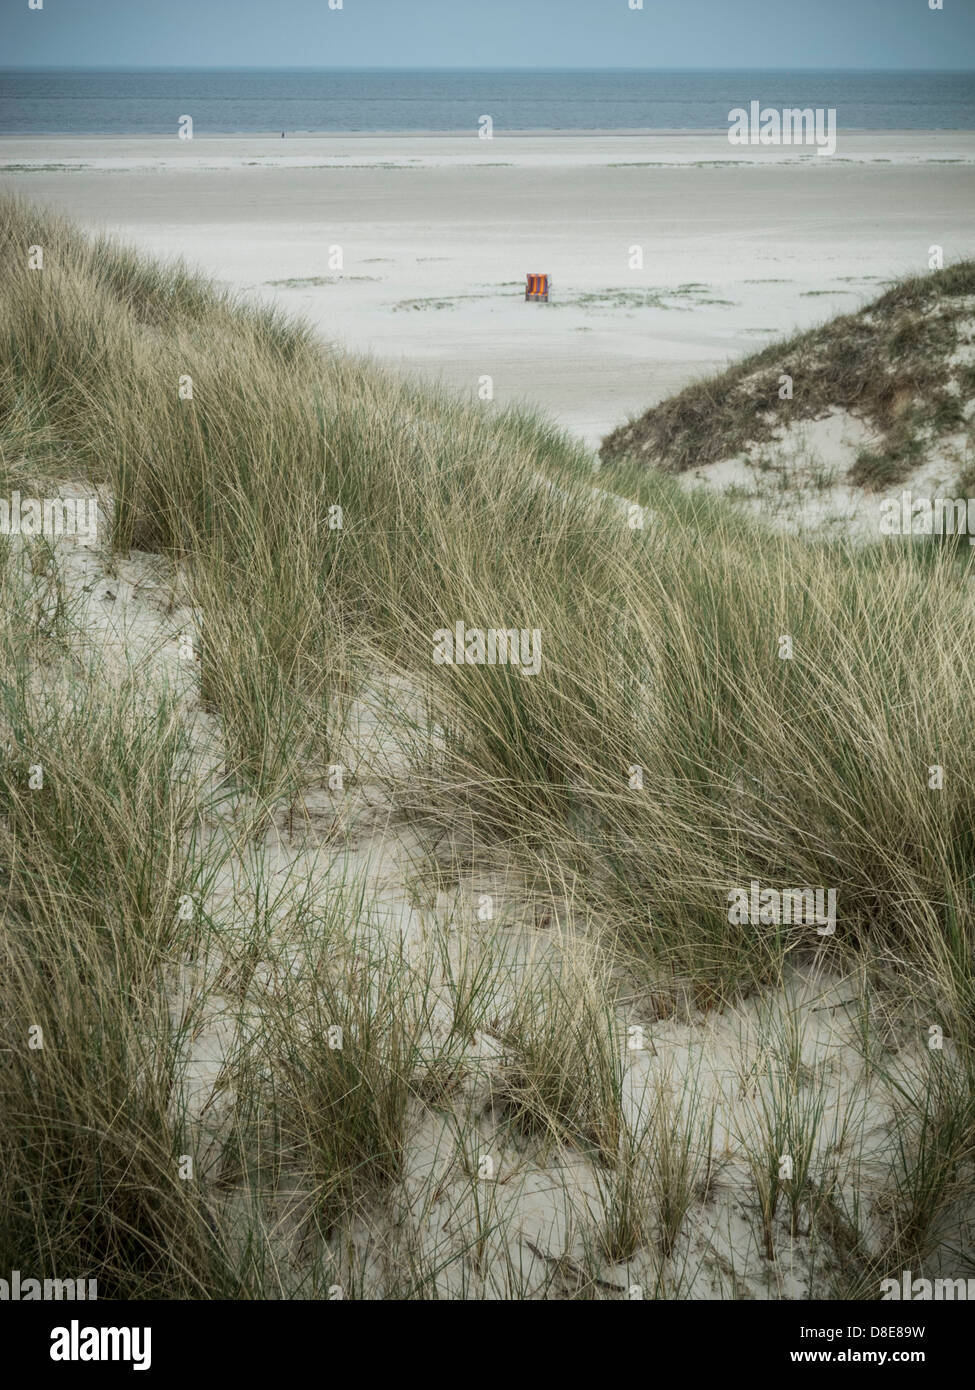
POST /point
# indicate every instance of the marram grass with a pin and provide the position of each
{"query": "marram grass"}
(327, 520)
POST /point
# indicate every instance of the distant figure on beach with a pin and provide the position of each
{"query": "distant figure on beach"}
(282, 135)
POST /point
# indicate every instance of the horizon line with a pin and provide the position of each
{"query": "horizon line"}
(439, 67)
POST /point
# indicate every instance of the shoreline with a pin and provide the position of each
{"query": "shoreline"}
(519, 149)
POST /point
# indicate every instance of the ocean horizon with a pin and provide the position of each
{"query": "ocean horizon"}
(240, 101)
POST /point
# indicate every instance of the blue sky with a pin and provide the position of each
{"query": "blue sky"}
(488, 33)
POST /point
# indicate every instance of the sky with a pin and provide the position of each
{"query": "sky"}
(488, 33)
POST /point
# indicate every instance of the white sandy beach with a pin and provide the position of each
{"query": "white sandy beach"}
(437, 233)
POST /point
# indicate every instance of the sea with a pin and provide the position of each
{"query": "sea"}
(249, 101)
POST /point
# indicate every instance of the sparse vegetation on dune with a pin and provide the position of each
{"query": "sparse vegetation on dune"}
(419, 979)
(893, 364)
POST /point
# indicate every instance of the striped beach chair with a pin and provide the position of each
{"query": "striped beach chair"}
(537, 287)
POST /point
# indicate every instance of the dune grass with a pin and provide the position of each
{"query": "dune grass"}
(892, 363)
(715, 705)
